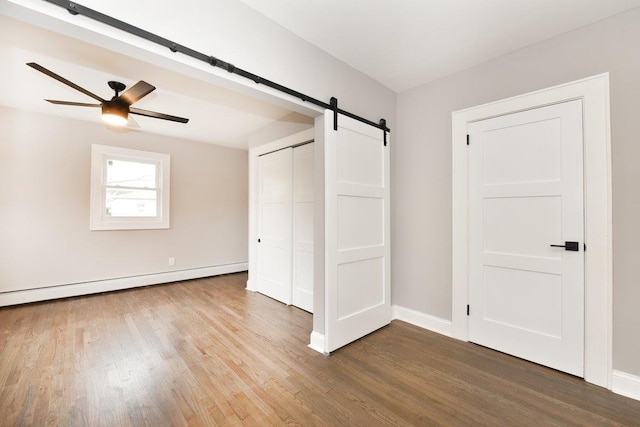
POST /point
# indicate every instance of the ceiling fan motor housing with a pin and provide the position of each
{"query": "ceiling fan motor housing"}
(115, 107)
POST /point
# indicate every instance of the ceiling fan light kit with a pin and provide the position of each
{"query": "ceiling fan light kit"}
(115, 114)
(115, 111)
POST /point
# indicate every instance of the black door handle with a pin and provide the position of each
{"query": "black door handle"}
(568, 246)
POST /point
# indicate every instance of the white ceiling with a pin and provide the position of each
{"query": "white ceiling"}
(216, 115)
(405, 43)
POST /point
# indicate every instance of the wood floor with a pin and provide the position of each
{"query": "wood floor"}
(207, 352)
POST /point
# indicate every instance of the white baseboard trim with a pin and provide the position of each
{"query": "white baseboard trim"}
(626, 384)
(316, 342)
(86, 288)
(426, 321)
(251, 286)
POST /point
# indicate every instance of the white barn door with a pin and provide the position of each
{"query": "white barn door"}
(526, 292)
(275, 189)
(357, 230)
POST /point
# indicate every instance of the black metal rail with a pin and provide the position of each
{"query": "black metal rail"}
(78, 9)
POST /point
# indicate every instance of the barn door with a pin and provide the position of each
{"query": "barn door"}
(527, 235)
(357, 229)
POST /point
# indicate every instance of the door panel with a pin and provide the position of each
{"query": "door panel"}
(522, 225)
(303, 205)
(351, 299)
(359, 220)
(528, 152)
(526, 193)
(357, 240)
(359, 151)
(275, 177)
(516, 298)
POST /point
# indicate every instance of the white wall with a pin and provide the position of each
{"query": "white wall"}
(422, 164)
(44, 212)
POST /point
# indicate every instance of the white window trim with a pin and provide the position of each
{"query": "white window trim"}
(98, 221)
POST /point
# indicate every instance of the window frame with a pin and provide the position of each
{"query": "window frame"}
(100, 155)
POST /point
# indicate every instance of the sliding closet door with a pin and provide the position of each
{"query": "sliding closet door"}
(303, 204)
(357, 230)
(275, 190)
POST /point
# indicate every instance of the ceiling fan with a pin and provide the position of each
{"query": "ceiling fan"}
(116, 110)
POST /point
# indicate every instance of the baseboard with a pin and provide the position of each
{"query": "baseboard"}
(626, 384)
(86, 288)
(251, 286)
(317, 342)
(426, 321)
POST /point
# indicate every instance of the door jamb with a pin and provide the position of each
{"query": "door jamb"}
(594, 93)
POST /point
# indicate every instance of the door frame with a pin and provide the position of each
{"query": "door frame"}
(254, 153)
(594, 93)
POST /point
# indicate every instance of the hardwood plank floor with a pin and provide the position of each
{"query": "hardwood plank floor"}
(207, 352)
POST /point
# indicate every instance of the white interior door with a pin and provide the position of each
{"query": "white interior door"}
(526, 193)
(303, 204)
(357, 230)
(275, 190)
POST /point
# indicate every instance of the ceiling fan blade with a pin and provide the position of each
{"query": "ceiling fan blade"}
(137, 92)
(63, 80)
(156, 115)
(76, 104)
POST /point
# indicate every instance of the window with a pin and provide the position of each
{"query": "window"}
(129, 189)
